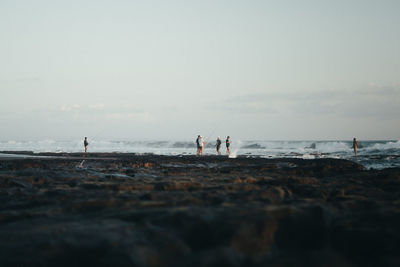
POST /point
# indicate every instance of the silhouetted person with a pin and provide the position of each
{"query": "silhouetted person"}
(218, 145)
(198, 145)
(355, 146)
(85, 143)
(228, 144)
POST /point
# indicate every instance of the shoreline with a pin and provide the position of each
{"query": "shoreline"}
(369, 164)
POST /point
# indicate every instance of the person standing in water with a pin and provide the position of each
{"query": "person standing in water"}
(228, 144)
(355, 146)
(85, 143)
(218, 145)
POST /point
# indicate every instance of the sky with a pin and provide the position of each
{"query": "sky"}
(272, 70)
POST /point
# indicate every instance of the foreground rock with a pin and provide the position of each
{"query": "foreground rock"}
(129, 210)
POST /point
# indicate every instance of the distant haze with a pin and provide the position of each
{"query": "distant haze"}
(274, 70)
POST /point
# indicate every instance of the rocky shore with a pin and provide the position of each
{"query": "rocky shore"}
(112, 209)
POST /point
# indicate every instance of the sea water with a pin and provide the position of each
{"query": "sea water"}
(371, 154)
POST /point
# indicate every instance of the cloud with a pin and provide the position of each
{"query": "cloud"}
(138, 116)
(67, 108)
(378, 101)
(248, 103)
(78, 107)
(101, 111)
(99, 106)
(22, 79)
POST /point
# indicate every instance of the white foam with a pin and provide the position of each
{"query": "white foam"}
(308, 156)
(262, 148)
(233, 154)
(385, 146)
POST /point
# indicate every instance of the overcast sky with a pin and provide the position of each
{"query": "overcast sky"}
(274, 70)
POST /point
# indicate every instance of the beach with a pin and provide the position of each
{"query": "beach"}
(124, 209)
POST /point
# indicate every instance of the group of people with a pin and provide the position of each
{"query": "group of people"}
(200, 145)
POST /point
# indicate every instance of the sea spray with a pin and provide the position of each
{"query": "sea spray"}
(235, 152)
(233, 155)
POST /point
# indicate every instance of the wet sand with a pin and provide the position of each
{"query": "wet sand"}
(112, 209)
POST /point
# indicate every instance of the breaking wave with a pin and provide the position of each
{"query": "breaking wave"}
(377, 154)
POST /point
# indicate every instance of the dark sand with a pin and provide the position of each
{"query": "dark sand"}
(130, 210)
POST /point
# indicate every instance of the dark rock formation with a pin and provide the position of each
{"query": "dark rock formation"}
(128, 210)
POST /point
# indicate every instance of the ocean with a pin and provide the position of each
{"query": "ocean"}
(371, 154)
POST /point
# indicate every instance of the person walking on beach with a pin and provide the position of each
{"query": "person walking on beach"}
(85, 143)
(355, 146)
(218, 145)
(228, 144)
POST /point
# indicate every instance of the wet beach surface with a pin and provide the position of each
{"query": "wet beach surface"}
(145, 210)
